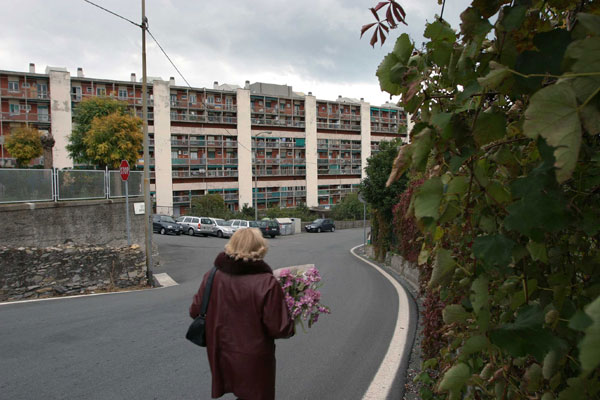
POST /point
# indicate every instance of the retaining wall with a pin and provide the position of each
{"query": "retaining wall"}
(97, 222)
(31, 272)
(409, 271)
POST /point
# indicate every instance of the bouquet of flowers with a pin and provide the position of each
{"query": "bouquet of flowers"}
(300, 285)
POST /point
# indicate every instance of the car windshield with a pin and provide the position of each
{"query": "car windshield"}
(317, 221)
(222, 222)
(168, 219)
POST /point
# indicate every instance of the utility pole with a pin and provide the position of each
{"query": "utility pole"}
(147, 201)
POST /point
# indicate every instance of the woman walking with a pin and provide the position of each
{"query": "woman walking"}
(246, 313)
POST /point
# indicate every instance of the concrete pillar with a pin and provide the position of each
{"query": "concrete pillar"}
(244, 140)
(365, 136)
(162, 147)
(60, 116)
(312, 181)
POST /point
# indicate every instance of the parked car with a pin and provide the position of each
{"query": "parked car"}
(268, 228)
(320, 225)
(165, 224)
(239, 224)
(197, 225)
(222, 228)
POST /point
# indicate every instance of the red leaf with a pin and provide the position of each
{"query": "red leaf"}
(381, 34)
(390, 18)
(374, 13)
(366, 28)
(380, 5)
(374, 38)
(384, 27)
(398, 7)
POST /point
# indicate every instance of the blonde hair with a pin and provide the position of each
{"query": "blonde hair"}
(247, 244)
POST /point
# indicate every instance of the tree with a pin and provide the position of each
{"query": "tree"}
(210, 205)
(83, 116)
(113, 138)
(373, 188)
(381, 198)
(24, 144)
(47, 145)
(506, 143)
(349, 208)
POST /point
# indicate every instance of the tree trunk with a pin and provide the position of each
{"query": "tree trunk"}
(48, 144)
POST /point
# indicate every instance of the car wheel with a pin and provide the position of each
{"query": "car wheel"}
(333, 229)
(163, 231)
(178, 233)
(273, 236)
(219, 234)
(191, 232)
(318, 230)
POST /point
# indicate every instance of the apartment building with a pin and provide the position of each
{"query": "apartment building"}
(260, 144)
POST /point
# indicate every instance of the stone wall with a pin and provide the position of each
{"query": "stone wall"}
(32, 272)
(97, 222)
(406, 269)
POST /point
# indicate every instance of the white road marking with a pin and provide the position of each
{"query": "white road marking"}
(384, 378)
(165, 280)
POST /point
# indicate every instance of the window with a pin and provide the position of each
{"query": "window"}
(26, 108)
(14, 109)
(228, 102)
(192, 99)
(174, 154)
(100, 91)
(210, 100)
(88, 89)
(42, 90)
(173, 99)
(13, 86)
(76, 92)
(122, 93)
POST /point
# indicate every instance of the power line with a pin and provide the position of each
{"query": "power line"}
(149, 33)
(168, 58)
(113, 13)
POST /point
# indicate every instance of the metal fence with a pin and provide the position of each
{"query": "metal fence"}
(31, 185)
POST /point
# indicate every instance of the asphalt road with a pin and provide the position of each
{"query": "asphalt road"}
(132, 345)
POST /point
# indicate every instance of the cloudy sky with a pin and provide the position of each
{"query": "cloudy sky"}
(312, 45)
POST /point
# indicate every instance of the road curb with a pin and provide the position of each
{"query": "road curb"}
(395, 388)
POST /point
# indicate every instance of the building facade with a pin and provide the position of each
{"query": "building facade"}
(262, 144)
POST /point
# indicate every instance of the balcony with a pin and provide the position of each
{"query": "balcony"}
(25, 117)
(30, 93)
(150, 115)
(215, 173)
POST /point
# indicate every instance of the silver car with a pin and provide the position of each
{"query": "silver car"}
(197, 225)
(223, 229)
(239, 224)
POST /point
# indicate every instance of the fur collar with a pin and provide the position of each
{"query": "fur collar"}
(226, 264)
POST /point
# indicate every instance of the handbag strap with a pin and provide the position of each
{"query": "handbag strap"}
(206, 294)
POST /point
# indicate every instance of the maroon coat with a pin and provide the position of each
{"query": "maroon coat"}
(246, 313)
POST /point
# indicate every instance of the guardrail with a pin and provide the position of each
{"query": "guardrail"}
(18, 185)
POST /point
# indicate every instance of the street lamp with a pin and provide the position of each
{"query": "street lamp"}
(256, 175)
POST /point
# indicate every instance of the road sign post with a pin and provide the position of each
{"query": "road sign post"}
(124, 171)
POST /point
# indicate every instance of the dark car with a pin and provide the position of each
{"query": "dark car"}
(165, 224)
(320, 225)
(268, 228)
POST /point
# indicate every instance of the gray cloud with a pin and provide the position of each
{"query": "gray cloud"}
(313, 45)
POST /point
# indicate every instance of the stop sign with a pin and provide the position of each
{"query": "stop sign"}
(124, 170)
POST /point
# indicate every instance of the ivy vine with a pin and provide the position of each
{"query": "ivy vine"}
(506, 137)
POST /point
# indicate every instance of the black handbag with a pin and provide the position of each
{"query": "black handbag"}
(197, 331)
